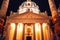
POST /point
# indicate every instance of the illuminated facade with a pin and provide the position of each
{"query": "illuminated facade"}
(23, 27)
(29, 23)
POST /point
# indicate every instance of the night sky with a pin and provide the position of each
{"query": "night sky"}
(43, 5)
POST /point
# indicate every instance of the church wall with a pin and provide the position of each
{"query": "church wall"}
(38, 31)
(42, 31)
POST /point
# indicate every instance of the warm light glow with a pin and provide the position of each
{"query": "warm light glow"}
(44, 25)
(13, 26)
(28, 31)
(19, 31)
(20, 27)
(37, 27)
(38, 31)
(45, 31)
(12, 30)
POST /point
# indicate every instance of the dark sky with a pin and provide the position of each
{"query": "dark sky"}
(43, 5)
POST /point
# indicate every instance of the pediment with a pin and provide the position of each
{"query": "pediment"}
(27, 18)
(27, 15)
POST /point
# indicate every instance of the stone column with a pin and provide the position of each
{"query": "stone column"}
(19, 31)
(11, 31)
(4, 8)
(23, 32)
(46, 31)
(42, 36)
(50, 33)
(34, 32)
(6, 32)
(38, 31)
(53, 9)
(15, 33)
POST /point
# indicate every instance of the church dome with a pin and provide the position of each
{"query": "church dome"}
(28, 5)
